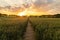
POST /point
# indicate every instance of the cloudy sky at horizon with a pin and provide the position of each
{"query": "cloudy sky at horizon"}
(51, 6)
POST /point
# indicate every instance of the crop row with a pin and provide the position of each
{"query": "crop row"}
(46, 28)
(12, 28)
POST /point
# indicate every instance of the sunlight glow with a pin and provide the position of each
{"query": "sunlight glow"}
(22, 13)
(31, 11)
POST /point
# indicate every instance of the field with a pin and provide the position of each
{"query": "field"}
(24, 28)
(46, 28)
(12, 28)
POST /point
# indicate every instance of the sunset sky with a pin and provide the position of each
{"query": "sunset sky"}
(35, 6)
(19, 2)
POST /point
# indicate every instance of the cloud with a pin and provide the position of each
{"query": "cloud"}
(19, 2)
(50, 6)
(3, 3)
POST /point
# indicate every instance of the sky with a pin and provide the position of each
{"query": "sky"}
(14, 2)
(48, 6)
(20, 2)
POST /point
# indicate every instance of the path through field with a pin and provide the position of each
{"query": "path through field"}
(29, 34)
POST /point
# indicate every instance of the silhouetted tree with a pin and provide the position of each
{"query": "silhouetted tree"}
(2, 15)
(57, 15)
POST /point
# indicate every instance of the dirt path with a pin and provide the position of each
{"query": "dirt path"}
(29, 34)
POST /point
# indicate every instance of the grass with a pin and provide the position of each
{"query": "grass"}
(12, 28)
(46, 28)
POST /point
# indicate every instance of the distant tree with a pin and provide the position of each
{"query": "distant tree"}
(2, 15)
(57, 15)
(50, 16)
(13, 15)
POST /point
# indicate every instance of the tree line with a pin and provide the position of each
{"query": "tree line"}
(42, 16)
(51, 16)
(5, 15)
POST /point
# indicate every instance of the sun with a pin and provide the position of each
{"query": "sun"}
(22, 13)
